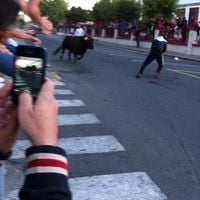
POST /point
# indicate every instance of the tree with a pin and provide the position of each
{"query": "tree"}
(107, 10)
(159, 9)
(55, 9)
(77, 15)
(103, 11)
(127, 9)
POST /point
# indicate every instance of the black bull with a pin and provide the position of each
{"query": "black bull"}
(75, 45)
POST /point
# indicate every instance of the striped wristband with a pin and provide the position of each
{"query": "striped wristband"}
(46, 162)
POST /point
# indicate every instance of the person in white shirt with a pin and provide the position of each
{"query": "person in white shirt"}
(79, 32)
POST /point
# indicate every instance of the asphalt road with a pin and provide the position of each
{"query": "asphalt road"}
(156, 122)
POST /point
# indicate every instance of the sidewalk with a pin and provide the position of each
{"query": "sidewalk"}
(132, 47)
(145, 47)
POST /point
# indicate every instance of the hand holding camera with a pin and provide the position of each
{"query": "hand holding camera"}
(38, 119)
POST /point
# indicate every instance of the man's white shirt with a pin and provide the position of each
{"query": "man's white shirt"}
(79, 32)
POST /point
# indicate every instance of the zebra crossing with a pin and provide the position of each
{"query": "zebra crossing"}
(124, 186)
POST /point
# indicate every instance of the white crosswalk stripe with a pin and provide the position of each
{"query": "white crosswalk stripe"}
(77, 145)
(70, 103)
(77, 119)
(122, 186)
(63, 92)
(125, 186)
(58, 83)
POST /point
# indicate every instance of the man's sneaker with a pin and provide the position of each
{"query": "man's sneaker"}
(138, 75)
(157, 75)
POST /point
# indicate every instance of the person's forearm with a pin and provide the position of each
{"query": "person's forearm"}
(20, 34)
(31, 8)
(46, 174)
(23, 4)
(33, 11)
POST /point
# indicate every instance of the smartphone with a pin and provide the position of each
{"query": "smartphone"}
(29, 70)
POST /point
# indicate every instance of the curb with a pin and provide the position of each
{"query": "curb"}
(54, 73)
(132, 48)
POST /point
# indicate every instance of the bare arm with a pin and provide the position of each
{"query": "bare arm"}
(31, 8)
(34, 11)
(18, 33)
(23, 5)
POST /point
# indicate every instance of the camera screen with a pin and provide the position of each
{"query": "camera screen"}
(28, 74)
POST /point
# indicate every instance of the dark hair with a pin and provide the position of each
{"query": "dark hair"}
(8, 13)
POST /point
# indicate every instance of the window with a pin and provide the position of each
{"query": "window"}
(194, 14)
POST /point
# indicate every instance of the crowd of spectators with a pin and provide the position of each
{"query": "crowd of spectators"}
(175, 29)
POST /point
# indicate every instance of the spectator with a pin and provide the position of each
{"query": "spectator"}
(184, 29)
(160, 24)
(44, 159)
(137, 32)
(180, 24)
(122, 28)
(172, 27)
(10, 9)
(150, 29)
(193, 23)
(198, 33)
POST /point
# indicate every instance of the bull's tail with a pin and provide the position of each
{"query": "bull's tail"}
(57, 50)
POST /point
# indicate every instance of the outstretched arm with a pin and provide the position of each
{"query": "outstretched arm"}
(31, 8)
(18, 33)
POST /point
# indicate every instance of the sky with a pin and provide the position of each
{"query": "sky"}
(84, 4)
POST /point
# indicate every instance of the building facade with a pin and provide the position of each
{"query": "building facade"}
(189, 9)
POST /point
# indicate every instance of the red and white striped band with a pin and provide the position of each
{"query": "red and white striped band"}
(47, 163)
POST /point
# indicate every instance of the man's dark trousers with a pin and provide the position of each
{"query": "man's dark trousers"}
(153, 56)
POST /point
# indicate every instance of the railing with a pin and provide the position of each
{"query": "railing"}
(173, 37)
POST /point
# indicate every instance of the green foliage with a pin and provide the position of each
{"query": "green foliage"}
(77, 15)
(55, 9)
(103, 11)
(127, 9)
(107, 10)
(159, 8)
